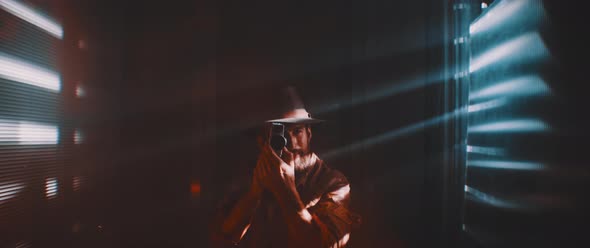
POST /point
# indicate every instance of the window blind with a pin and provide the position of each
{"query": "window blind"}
(31, 118)
(515, 188)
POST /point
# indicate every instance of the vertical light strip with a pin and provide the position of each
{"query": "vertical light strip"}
(51, 187)
(31, 16)
(78, 136)
(80, 92)
(76, 182)
(20, 71)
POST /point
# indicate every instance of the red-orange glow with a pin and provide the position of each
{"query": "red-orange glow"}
(196, 188)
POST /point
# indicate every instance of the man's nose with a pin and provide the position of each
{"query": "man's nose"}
(289, 141)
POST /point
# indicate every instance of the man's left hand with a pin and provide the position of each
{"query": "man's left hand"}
(276, 174)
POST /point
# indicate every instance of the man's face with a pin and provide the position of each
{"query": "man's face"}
(298, 138)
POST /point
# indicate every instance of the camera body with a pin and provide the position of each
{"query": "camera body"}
(277, 137)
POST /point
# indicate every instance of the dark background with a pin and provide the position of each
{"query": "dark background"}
(174, 89)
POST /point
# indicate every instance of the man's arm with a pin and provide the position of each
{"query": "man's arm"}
(326, 224)
(304, 228)
(236, 223)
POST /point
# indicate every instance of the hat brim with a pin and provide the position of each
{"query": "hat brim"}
(297, 120)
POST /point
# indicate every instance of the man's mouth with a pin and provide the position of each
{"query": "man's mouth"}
(298, 152)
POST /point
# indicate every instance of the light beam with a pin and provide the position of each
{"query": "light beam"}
(33, 17)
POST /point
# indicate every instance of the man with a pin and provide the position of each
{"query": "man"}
(293, 200)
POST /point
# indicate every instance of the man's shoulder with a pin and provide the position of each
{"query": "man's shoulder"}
(328, 178)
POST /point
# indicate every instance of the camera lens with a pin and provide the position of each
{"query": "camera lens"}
(277, 142)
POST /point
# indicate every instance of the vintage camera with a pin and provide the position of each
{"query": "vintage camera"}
(277, 137)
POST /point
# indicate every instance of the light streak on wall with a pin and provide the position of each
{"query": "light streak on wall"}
(506, 165)
(27, 133)
(520, 125)
(487, 105)
(9, 190)
(526, 47)
(33, 17)
(494, 17)
(520, 86)
(20, 71)
(492, 151)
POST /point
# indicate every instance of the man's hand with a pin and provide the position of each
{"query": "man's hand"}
(278, 176)
(273, 173)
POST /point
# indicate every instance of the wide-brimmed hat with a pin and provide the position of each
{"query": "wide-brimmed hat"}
(292, 109)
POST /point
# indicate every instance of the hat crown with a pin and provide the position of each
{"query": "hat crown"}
(291, 108)
(290, 100)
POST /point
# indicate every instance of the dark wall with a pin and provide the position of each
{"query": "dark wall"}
(150, 96)
(174, 92)
(365, 67)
